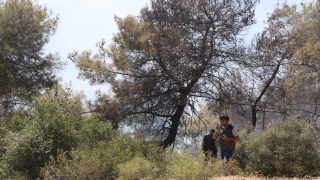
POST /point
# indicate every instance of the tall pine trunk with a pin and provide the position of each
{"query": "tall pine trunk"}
(173, 130)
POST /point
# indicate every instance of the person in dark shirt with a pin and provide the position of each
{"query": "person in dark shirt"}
(209, 146)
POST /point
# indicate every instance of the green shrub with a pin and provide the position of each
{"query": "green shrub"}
(93, 131)
(173, 165)
(136, 168)
(149, 165)
(26, 152)
(185, 166)
(99, 161)
(240, 154)
(128, 156)
(95, 163)
(39, 136)
(288, 148)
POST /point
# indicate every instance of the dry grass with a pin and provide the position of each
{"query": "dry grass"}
(257, 178)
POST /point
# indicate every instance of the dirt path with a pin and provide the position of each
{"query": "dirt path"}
(256, 178)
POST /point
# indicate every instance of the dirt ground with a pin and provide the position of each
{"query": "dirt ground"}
(257, 178)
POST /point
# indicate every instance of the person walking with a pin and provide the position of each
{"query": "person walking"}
(209, 146)
(227, 136)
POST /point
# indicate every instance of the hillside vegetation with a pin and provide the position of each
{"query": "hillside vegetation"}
(45, 143)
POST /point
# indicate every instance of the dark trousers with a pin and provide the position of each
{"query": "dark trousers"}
(210, 155)
(226, 154)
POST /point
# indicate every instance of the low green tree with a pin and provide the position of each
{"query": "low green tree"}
(287, 148)
(50, 124)
(25, 28)
(47, 130)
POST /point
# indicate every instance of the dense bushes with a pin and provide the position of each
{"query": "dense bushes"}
(288, 148)
(101, 163)
(45, 143)
(98, 162)
(31, 139)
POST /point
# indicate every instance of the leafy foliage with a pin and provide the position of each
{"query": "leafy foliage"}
(43, 133)
(25, 27)
(289, 148)
(137, 168)
(99, 161)
(48, 143)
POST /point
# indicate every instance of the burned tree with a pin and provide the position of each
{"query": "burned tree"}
(169, 57)
(279, 73)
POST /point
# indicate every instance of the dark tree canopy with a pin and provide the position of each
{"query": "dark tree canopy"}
(169, 57)
(25, 27)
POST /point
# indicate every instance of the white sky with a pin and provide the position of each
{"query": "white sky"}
(85, 22)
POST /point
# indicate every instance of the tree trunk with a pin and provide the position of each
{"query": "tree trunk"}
(175, 120)
(254, 116)
(267, 85)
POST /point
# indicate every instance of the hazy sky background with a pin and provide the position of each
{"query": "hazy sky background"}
(85, 22)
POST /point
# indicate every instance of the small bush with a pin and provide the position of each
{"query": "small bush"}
(136, 168)
(185, 166)
(26, 152)
(96, 163)
(289, 148)
(240, 154)
(93, 131)
(173, 165)
(27, 149)
(99, 161)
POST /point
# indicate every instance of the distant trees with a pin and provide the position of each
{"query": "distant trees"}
(295, 88)
(165, 60)
(301, 81)
(279, 75)
(25, 27)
